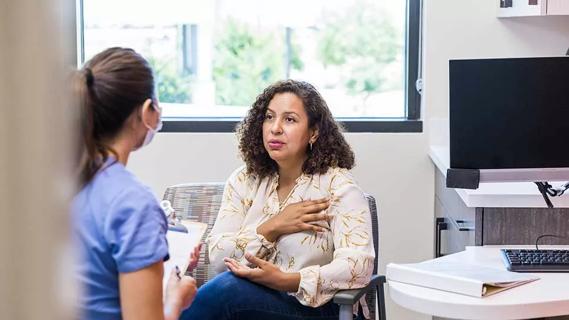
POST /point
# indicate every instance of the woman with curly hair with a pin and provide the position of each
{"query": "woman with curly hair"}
(293, 227)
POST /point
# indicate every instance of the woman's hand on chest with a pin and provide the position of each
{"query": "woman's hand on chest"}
(296, 217)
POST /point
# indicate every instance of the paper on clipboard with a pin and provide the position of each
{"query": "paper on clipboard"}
(180, 246)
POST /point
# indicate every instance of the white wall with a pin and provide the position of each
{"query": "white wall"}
(459, 29)
(395, 168)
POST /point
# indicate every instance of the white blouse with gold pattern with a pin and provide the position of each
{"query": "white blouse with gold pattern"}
(341, 258)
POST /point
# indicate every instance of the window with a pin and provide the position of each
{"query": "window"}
(213, 57)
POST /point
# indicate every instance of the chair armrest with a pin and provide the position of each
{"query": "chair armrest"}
(350, 297)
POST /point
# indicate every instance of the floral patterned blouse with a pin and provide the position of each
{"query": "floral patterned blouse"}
(339, 258)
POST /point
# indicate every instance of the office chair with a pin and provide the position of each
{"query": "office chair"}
(375, 289)
(200, 202)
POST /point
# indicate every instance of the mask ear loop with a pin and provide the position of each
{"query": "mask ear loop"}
(156, 108)
(153, 106)
(159, 110)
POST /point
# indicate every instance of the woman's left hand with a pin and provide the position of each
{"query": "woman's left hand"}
(266, 274)
(194, 258)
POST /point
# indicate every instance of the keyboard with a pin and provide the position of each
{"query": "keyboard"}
(533, 260)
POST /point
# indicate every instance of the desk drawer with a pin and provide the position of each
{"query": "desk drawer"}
(457, 220)
(456, 233)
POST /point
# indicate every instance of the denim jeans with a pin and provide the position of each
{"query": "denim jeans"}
(230, 297)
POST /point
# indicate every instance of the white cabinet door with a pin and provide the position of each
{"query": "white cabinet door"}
(557, 7)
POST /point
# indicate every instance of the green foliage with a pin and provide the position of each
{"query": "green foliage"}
(296, 62)
(171, 85)
(360, 42)
(245, 62)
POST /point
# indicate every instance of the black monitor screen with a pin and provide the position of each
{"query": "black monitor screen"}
(509, 113)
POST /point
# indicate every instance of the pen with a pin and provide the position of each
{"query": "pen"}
(178, 273)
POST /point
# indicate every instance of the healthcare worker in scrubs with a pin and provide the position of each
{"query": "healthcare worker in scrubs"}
(119, 227)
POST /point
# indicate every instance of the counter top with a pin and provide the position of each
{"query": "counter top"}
(546, 297)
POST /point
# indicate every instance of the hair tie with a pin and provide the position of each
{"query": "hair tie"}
(89, 77)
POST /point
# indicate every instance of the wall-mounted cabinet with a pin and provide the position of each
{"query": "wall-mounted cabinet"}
(528, 8)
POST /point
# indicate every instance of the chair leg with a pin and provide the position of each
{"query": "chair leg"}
(346, 312)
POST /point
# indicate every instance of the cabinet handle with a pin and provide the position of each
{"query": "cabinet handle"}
(506, 3)
(463, 225)
(440, 225)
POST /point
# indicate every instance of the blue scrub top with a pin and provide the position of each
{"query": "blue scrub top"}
(118, 227)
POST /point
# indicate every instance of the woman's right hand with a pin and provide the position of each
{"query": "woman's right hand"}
(181, 289)
(296, 217)
(180, 292)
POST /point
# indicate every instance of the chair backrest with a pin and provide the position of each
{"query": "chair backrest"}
(198, 202)
(372, 297)
(374, 228)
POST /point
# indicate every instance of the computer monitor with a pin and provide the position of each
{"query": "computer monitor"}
(509, 118)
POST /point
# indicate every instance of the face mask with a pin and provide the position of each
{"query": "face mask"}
(152, 132)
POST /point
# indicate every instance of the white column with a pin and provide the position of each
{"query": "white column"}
(36, 50)
(203, 89)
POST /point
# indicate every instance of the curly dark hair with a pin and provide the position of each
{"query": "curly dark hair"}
(329, 150)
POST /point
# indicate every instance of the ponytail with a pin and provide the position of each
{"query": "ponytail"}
(92, 153)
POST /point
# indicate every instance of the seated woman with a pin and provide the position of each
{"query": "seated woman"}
(294, 212)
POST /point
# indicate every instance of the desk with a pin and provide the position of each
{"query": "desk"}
(546, 297)
(494, 214)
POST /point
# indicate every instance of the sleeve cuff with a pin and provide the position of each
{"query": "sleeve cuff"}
(265, 243)
(266, 249)
(308, 288)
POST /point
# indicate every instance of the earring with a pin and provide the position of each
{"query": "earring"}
(310, 143)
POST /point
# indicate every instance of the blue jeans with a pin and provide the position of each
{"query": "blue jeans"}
(230, 297)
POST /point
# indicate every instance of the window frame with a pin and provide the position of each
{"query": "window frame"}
(413, 87)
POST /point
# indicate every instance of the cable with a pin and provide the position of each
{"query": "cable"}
(546, 235)
(542, 187)
(548, 190)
